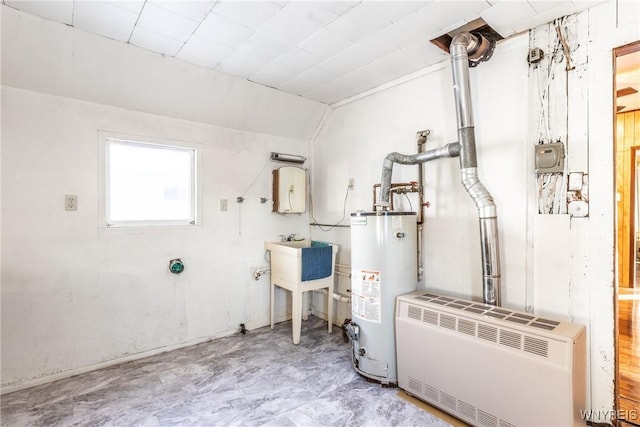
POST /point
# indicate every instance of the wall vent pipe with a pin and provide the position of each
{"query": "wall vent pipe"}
(466, 50)
(449, 150)
(469, 49)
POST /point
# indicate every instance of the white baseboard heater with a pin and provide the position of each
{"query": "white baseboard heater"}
(490, 366)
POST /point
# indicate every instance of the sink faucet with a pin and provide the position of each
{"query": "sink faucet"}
(289, 238)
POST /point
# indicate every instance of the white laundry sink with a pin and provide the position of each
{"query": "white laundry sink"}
(298, 273)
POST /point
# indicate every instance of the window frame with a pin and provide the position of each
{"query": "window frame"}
(105, 139)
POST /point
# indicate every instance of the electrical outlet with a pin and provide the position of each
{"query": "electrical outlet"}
(70, 202)
(351, 183)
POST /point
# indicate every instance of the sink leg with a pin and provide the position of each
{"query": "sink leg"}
(273, 288)
(330, 307)
(296, 315)
(305, 306)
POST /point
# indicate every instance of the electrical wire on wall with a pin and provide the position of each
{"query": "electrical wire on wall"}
(551, 187)
(337, 224)
(240, 199)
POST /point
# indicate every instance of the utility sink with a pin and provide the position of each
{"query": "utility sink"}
(301, 266)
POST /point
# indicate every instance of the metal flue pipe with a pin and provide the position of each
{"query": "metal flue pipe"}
(449, 150)
(466, 49)
(462, 47)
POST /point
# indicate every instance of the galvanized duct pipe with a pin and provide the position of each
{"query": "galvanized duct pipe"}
(449, 150)
(462, 46)
(465, 49)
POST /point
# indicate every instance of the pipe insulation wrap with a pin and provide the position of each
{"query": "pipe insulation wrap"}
(467, 138)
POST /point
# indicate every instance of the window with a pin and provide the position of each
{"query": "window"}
(149, 184)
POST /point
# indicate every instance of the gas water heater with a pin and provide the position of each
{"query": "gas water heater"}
(383, 266)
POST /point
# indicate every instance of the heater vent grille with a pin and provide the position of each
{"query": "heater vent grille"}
(491, 311)
(488, 333)
(485, 419)
(414, 312)
(448, 322)
(431, 392)
(448, 401)
(467, 410)
(415, 384)
(503, 336)
(467, 327)
(510, 339)
(459, 407)
(536, 346)
(430, 316)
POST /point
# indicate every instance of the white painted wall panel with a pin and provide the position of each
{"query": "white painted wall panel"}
(75, 295)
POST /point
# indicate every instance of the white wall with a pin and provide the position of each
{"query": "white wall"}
(550, 264)
(76, 296)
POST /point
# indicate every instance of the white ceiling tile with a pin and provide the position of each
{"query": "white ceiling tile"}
(59, 11)
(400, 63)
(154, 42)
(133, 6)
(333, 91)
(168, 24)
(270, 76)
(368, 18)
(505, 15)
(219, 29)
(236, 68)
(448, 15)
(357, 56)
(296, 61)
(255, 53)
(541, 6)
(324, 43)
(251, 14)
(104, 19)
(275, 36)
(307, 81)
(192, 9)
(545, 17)
(201, 51)
(409, 29)
(297, 21)
(339, 7)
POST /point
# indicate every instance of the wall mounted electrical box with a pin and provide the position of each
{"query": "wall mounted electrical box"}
(289, 190)
(549, 158)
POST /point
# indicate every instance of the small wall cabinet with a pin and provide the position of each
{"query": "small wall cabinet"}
(289, 190)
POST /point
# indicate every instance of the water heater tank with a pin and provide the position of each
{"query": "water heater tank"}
(384, 266)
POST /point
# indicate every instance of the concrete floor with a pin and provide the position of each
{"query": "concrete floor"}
(257, 379)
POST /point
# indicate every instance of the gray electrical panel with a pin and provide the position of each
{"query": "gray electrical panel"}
(549, 158)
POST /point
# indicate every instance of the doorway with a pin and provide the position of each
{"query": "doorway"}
(627, 181)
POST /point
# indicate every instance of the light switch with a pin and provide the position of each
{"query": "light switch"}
(575, 181)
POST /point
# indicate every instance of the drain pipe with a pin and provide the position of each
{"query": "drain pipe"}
(468, 49)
